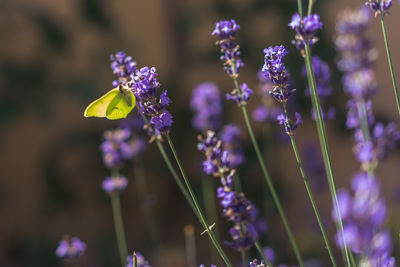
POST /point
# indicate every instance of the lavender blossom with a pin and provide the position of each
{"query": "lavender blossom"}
(226, 31)
(114, 184)
(236, 207)
(275, 70)
(267, 111)
(115, 147)
(379, 5)
(206, 102)
(324, 87)
(242, 96)
(363, 216)
(365, 213)
(122, 66)
(140, 260)
(305, 29)
(290, 128)
(232, 142)
(144, 85)
(70, 249)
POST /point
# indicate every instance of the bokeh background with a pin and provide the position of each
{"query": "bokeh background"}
(54, 60)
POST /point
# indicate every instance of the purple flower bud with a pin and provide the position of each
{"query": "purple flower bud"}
(114, 184)
(140, 260)
(70, 248)
(206, 102)
(226, 29)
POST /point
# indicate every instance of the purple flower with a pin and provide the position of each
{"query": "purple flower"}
(115, 147)
(232, 142)
(290, 128)
(162, 123)
(379, 5)
(306, 27)
(242, 96)
(275, 70)
(114, 184)
(226, 31)
(270, 254)
(236, 207)
(70, 249)
(122, 66)
(144, 85)
(322, 77)
(140, 260)
(206, 102)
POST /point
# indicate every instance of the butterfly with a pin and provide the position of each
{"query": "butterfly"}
(114, 105)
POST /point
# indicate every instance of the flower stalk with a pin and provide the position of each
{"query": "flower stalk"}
(119, 228)
(200, 214)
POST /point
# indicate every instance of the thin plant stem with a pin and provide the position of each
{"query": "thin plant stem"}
(142, 191)
(119, 228)
(134, 259)
(271, 187)
(238, 183)
(208, 190)
(300, 8)
(175, 175)
(389, 56)
(323, 138)
(261, 252)
(244, 258)
(171, 168)
(199, 211)
(267, 177)
(190, 245)
(324, 143)
(309, 192)
(310, 5)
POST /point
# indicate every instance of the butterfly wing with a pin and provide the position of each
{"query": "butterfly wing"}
(121, 105)
(98, 108)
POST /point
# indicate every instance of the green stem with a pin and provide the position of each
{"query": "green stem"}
(134, 259)
(309, 192)
(270, 184)
(142, 191)
(244, 258)
(261, 252)
(389, 56)
(324, 143)
(175, 175)
(300, 8)
(266, 174)
(310, 5)
(119, 228)
(194, 200)
(208, 190)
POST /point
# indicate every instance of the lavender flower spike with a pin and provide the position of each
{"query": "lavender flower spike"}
(114, 184)
(379, 5)
(144, 85)
(305, 28)
(70, 249)
(236, 207)
(206, 102)
(122, 66)
(226, 31)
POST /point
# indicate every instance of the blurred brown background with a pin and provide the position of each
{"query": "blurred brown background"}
(54, 59)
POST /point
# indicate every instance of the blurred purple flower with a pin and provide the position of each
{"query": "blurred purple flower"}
(114, 184)
(206, 102)
(70, 249)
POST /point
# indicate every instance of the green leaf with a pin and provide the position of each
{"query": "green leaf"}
(114, 105)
